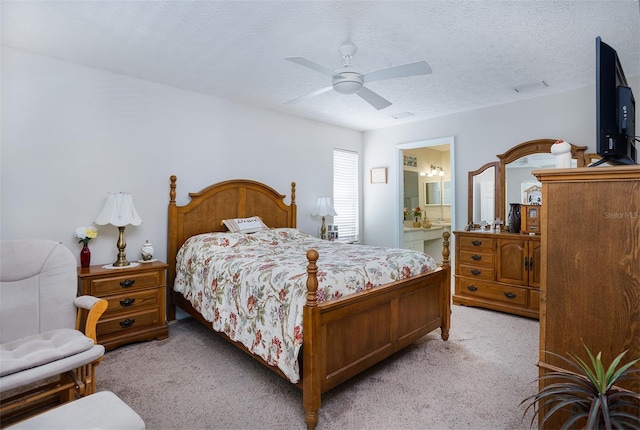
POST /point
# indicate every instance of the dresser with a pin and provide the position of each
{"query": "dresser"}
(498, 271)
(590, 279)
(136, 297)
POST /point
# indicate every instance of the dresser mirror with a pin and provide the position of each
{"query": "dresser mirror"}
(484, 193)
(517, 164)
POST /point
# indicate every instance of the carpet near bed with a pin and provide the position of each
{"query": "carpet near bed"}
(196, 380)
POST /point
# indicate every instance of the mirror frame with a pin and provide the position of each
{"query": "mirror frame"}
(496, 191)
(527, 148)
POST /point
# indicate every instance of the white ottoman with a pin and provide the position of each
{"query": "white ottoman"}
(102, 410)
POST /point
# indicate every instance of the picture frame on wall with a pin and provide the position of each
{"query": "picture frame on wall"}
(410, 160)
(379, 175)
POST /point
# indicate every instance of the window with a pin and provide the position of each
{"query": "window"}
(345, 193)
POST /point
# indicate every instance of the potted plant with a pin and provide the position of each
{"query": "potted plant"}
(589, 394)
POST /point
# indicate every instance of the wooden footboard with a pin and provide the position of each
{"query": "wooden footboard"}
(346, 336)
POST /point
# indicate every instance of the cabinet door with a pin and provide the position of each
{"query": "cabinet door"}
(534, 263)
(511, 261)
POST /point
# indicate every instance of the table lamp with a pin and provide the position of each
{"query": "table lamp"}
(324, 208)
(119, 211)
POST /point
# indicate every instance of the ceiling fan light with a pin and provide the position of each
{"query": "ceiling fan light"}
(347, 87)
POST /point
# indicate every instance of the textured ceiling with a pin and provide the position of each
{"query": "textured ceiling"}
(478, 50)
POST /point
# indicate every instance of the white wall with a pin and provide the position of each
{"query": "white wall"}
(71, 134)
(479, 135)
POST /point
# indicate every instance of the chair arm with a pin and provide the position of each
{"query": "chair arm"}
(96, 308)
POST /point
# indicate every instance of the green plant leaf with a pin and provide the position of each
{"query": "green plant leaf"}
(588, 392)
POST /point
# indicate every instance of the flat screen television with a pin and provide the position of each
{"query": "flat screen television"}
(615, 109)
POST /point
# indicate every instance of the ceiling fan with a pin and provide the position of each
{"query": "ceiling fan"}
(349, 81)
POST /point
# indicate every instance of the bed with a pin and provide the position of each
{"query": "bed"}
(341, 334)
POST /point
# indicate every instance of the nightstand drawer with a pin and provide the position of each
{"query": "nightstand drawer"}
(133, 301)
(479, 243)
(477, 258)
(123, 283)
(130, 322)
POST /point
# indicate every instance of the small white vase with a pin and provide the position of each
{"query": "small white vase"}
(146, 251)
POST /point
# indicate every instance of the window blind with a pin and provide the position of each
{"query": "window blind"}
(345, 193)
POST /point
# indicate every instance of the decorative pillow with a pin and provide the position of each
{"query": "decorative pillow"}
(245, 225)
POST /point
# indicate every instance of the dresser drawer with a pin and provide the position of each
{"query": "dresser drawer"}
(129, 322)
(479, 243)
(133, 301)
(477, 258)
(491, 291)
(476, 271)
(123, 283)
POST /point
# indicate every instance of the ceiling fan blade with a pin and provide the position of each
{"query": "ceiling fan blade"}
(308, 96)
(315, 66)
(412, 69)
(374, 99)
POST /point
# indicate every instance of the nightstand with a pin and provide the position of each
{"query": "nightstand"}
(136, 299)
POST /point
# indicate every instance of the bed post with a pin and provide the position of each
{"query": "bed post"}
(294, 208)
(171, 248)
(446, 293)
(312, 347)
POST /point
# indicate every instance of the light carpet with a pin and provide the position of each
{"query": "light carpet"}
(197, 380)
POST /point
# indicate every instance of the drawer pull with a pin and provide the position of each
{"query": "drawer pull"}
(526, 263)
(127, 283)
(476, 257)
(475, 272)
(531, 264)
(472, 288)
(476, 242)
(510, 295)
(127, 302)
(127, 323)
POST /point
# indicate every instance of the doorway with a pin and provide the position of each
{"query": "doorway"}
(441, 144)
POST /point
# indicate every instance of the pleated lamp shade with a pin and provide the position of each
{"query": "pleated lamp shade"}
(119, 211)
(324, 207)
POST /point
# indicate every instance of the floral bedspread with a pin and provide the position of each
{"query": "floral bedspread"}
(253, 288)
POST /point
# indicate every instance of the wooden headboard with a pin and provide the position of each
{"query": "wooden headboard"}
(238, 198)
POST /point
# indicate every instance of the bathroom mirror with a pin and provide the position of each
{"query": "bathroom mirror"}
(438, 193)
(432, 193)
(411, 189)
(484, 193)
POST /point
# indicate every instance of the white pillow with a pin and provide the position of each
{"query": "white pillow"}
(245, 225)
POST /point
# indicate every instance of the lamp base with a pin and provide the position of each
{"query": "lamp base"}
(121, 263)
(323, 230)
(121, 244)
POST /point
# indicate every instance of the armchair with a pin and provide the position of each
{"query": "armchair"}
(45, 356)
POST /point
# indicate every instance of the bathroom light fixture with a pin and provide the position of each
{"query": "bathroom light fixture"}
(435, 171)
